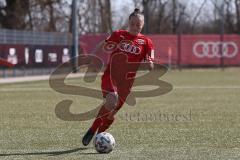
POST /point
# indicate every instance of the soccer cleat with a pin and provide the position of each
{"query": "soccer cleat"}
(87, 137)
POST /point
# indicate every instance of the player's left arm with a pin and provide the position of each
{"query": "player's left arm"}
(150, 54)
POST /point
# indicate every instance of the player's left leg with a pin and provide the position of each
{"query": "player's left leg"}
(110, 104)
(108, 91)
(109, 118)
(123, 91)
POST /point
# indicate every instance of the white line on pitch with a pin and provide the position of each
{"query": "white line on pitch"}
(206, 87)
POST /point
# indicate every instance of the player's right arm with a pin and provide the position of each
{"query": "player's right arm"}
(99, 48)
(106, 46)
(95, 63)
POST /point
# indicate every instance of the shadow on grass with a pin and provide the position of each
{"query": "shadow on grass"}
(50, 153)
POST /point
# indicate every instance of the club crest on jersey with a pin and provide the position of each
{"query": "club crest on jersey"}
(129, 47)
(140, 41)
(109, 46)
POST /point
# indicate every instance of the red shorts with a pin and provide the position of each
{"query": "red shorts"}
(109, 85)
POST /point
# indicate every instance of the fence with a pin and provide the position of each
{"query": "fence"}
(36, 38)
(19, 47)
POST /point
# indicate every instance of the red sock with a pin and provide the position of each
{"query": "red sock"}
(99, 119)
(103, 121)
(97, 122)
(108, 119)
(106, 123)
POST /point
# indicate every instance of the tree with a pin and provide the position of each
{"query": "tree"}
(229, 16)
(196, 16)
(154, 21)
(178, 13)
(106, 16)
(13, 15)
(237, 6)
(97, 16)
(49, 15)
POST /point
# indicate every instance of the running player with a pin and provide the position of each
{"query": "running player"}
(136, 48)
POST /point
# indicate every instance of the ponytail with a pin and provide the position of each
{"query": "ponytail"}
(136, 12)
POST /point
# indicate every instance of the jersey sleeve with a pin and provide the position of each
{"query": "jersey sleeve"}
(114, 37)
(111, 42)
(149, 51)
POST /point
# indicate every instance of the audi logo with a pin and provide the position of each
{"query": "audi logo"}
(210, 49)
(129, 48)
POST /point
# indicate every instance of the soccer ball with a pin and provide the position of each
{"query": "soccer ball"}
(104, 142)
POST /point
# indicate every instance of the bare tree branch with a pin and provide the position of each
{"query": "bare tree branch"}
(197, 15)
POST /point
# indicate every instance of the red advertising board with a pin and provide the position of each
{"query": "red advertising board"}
(198, 50)
(186, 50)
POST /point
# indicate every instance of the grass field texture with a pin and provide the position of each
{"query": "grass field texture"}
(198, 120)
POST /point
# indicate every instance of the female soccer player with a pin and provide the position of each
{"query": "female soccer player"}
(136, 48)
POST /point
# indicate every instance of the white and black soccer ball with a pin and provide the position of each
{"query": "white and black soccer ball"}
(104, 142)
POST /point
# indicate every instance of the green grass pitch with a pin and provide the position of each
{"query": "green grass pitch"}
(198, 119)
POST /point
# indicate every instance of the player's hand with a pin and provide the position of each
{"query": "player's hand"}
(151, 66)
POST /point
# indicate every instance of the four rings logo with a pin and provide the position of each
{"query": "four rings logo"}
(127, 46)
(210, 49)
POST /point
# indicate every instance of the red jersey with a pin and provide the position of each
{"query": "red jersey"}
(136, 48)
(117, 77)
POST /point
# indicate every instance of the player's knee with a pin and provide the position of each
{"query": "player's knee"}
(111, 100)
(110, 118)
